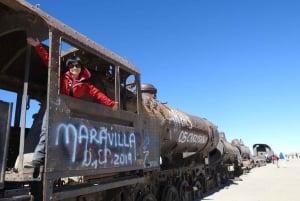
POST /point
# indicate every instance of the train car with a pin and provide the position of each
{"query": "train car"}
(262, 154)
(143, 151)
(247, 157)
(228, 160)
(98, 150)
(185, 142)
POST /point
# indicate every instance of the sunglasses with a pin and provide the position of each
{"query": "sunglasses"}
(75, 65)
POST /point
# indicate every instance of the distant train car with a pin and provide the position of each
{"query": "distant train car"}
(144, 150)
(262, 154)
(247, 157)
(230, 159)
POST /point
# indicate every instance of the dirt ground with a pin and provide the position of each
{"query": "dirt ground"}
(267, 183)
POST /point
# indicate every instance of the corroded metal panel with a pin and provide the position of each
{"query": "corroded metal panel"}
(87, 144)
(181, 132)
(151, 143)
(231, 153)
(191, 134)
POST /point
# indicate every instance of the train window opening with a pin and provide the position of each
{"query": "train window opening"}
(32, 106)
(109, 77)
(23, 79)
(129, 93)
(45, 42)
(131, 84)
(10, 97)
(101, 72)
(12, 78)
(65, 47)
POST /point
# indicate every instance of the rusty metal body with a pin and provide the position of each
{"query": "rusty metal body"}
(179, 131)
(231, 153)
(84, 139)
(246, 155)
(230, 158)
(145, 150)
(185, 145)
(244, 150)
(262, 154)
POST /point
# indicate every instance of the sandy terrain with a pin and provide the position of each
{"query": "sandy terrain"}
(268, 183)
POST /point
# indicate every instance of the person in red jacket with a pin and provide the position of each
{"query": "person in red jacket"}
(73, 83)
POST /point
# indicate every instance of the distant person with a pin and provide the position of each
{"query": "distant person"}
(281, 156)
(73, 83)
(281, 159)
(275, 159)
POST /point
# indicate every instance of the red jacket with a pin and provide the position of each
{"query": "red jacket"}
(79, 87)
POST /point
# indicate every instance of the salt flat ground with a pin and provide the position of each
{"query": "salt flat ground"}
(267, 183)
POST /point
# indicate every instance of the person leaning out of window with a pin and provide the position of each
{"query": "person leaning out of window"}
(74, 81)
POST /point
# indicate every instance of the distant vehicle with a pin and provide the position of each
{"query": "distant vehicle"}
(262, 153)
(144, 151)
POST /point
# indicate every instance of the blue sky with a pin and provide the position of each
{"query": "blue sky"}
(234, 62)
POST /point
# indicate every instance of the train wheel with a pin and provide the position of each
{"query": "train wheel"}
(197, 190)
(147, 197)
(122, 196)
(182, 189)
(137, 193)
(203, 184)
(170, 193)
(219, 180)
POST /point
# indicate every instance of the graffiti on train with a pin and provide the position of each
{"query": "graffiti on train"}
(97, 147)
(179, 119)
(186, 137)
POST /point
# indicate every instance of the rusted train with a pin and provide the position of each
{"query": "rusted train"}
(144, 151)
(262, 154)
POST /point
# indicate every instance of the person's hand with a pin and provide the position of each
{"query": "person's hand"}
(33, 42)
(116, 106)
